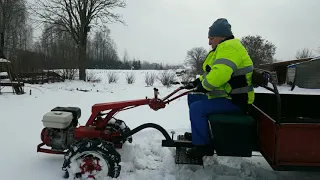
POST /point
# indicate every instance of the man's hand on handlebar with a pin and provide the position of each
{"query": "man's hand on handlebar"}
(196, 86)
(193, 84)
(200, 89)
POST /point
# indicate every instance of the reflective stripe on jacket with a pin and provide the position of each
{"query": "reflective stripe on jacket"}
(228, 72)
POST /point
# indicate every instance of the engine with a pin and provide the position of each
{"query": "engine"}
(59, 125)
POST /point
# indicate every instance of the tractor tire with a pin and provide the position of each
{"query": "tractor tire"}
(103, 161)
(117, 125)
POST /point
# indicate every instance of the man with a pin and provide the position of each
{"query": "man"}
(227, 83)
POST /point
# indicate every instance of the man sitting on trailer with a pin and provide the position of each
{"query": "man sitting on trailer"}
(227, 82)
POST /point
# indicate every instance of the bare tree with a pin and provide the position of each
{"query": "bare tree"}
(24, 37)
(58, 48)
(77, 17)
(304, 53)
(102, 50)
(195, 58)
(126, 60)
(12, 14)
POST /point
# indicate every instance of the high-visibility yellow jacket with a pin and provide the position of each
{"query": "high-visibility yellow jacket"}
(228, 72)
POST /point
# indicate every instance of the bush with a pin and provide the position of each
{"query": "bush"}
(186, 78)
(69, 74)
(91, 77)
(130, 78)
(166, 78)
(112, 77)
(149, 79)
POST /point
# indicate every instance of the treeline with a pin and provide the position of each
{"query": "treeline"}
(61, 43)
(55, 49)
(15, 30)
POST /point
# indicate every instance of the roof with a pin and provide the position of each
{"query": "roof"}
(313, 59)
(282, 64)
(316, 58)
(288, 62)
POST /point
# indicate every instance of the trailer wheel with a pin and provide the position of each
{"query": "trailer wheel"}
(118, 125)
(95, 159)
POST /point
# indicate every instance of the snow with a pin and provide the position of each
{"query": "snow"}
(144, 159)
(3, 73)
(4, 60)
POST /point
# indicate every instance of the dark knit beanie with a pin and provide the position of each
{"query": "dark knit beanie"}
(220, 28)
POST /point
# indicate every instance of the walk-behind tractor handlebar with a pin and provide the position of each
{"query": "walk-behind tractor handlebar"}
(157, 103)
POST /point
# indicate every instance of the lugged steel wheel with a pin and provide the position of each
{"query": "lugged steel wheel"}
(92, 159)
(119, 126)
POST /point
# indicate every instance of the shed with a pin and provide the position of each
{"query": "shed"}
(281, 68)
(305, 74)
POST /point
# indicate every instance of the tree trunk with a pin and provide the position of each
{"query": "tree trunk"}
(82, 62)
(82, 57)
(2, 45)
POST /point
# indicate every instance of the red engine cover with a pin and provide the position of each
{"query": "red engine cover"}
(91, 132)
(45, 137)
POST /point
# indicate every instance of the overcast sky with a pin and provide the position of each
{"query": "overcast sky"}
(164, 30)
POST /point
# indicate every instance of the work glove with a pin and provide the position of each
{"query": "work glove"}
(200, 88)
(193, 84)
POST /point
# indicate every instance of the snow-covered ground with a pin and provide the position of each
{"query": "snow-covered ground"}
(144, 159)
